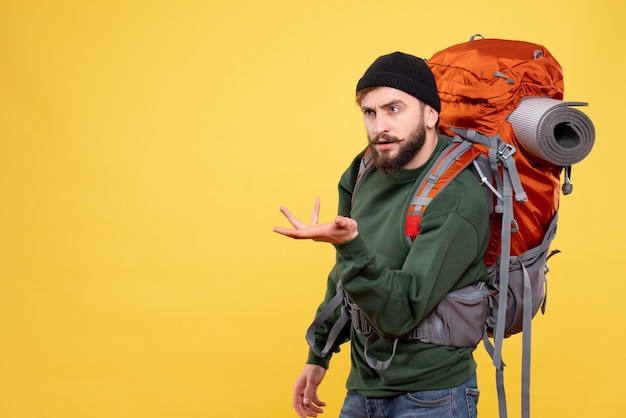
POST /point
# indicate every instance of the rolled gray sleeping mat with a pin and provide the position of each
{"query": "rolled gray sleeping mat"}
(552, 130)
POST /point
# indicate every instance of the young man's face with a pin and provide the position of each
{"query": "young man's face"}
(394, 121)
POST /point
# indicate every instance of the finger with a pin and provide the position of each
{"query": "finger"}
(310, 398)
(311, 409)
(295, 233)
(317, 401)
(297, 401)
(299, 406)
(292, 219)
(314, 409)
(316, 212)
(305, 409)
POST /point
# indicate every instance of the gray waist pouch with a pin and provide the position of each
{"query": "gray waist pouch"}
(458, 320)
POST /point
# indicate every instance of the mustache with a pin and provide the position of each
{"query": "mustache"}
(384, 138)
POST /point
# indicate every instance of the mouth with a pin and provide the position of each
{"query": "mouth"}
(384, 146)
(385, 139)
(385, 142)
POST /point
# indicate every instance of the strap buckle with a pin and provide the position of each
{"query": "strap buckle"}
(506, 151)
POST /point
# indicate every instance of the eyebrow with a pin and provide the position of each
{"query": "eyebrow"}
(392, 103)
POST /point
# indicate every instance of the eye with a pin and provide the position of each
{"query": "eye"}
(394, 109)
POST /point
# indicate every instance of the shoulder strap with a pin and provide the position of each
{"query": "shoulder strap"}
(367, 162)
(453, 159)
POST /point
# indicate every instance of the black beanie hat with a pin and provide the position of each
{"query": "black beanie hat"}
(403, 72)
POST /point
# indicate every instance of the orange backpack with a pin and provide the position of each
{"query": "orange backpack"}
(480, 84)
(505, 98)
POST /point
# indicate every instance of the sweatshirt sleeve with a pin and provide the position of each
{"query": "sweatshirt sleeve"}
(345, 189)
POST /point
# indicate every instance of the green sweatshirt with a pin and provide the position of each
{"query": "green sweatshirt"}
(396, 284)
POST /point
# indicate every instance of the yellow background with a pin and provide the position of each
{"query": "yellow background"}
(145, 147)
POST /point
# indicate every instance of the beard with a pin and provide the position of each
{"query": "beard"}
(408, 148)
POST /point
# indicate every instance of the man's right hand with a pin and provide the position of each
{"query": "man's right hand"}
(341, 230)
(305, 400)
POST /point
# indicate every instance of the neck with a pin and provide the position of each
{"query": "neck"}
(425, 152)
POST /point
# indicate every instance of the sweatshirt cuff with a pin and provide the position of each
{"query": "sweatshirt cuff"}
(320, 361)
(353, 250)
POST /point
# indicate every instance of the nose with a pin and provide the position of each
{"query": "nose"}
(380, 124)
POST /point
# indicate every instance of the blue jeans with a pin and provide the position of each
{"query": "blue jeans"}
(455, 402)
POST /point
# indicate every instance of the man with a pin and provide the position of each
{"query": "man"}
(395, 284)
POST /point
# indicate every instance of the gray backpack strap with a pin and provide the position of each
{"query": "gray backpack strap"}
(509, 189)
(525, 262)
(443, 164)
(506, 151)
(532, 268)
(319, 320)
(529, 311)
(361, 326)
(526, 344)
(503, 277)
(502, 152)
(367, 162)
(493, 142)
(374, 363)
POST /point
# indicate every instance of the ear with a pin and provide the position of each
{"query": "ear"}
(431, 117)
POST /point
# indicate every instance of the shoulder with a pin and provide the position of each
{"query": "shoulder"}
(464, 192)
(350, 174)
(465, 196)
(347, 182)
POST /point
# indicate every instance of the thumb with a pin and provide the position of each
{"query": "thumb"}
(342, 222)
(309, 393)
